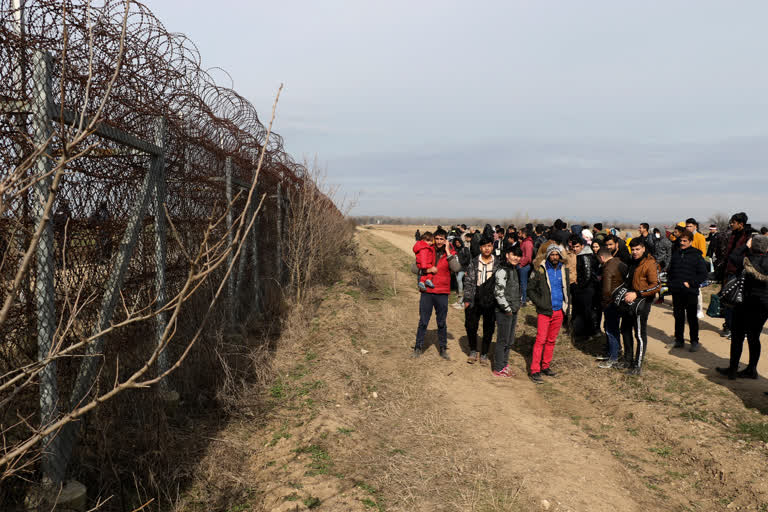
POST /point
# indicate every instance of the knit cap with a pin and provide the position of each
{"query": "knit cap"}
(555, 248)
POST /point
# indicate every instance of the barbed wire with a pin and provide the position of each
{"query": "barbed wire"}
(114, 61)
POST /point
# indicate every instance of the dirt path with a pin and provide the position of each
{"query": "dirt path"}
(714, 351)
(508, 421)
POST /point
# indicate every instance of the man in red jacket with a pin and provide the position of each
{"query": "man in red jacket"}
(436, 298)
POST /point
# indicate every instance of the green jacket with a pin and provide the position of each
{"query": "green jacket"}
(539, 290)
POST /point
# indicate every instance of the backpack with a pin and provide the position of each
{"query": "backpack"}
(484, 296)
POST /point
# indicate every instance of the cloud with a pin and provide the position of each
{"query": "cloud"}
(606, 180)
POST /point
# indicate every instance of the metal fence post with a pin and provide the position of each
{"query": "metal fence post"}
(89, 366)
(284, 216)
(243, 259)
(45, 299)
(279, 235)
(161, 320)
(230, 235)
(255, 256)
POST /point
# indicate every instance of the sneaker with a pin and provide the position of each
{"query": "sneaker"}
(457, 305)
(548, 372)
(472, 357)
(507, 371)
(695, 347)
(416, 353)
(633, 371)
(422, 287)
(608, 364)
(726, 333)
(501, 373)
(428, 284)
(444, 355)
(536, 377)
(602, 358)
(678, 344)
(726, 372)
(622, 365)
(484, 360)
(747, 373)
(700, 315)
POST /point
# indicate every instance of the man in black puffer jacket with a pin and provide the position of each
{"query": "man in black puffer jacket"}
(462, 250)
(687, 270)
(750, 316)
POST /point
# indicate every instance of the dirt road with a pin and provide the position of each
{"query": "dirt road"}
(715, 350)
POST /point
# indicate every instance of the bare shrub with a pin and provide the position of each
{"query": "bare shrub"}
(319, 236)
(720, 220)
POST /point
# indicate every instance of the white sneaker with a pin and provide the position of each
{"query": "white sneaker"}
(700, 315)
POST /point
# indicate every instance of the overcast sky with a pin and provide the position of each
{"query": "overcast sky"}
(603, 109)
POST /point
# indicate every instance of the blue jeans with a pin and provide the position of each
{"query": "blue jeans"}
(612, 331)
(524, 272)
(428, 301)
(460, 283)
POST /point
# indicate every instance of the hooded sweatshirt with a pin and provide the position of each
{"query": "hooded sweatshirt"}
(527, 247)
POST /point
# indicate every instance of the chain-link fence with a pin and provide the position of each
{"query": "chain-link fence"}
(107, 122)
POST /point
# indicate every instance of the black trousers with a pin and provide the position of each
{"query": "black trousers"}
(684, 305)
(748, 320)
(637, 325)
(472, 316)
(583, 313)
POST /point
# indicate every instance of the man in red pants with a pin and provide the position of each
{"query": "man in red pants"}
(548, 290)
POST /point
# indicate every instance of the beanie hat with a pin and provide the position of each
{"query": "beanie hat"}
(760, 244)
(555, 248)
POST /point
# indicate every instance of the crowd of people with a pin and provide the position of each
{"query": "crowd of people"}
(594, 283)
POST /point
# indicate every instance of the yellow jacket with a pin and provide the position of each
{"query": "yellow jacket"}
(700, 243)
